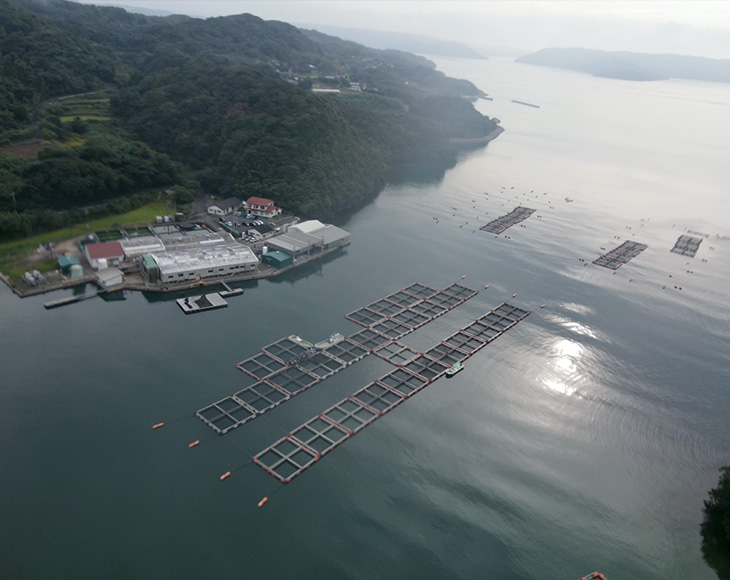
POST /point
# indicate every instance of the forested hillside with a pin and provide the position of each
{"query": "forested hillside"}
(223, 104)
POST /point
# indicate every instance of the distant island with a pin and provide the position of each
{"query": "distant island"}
(631, 65)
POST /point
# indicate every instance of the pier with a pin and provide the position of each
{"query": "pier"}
(69, 300)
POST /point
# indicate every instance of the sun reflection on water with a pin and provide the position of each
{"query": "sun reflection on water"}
(563, 362)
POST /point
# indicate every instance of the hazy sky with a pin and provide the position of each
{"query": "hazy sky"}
(682, 27)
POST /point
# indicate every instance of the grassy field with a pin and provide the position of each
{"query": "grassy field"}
(141, 216)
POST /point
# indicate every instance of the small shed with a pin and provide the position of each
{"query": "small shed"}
(65, 262)
(108, 278)
(277, 259)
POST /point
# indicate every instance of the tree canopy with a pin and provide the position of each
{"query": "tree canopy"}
(224, 102)
(715, 528)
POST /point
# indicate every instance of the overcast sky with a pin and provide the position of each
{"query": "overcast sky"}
(700, 28)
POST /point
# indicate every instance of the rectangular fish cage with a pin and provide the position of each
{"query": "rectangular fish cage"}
(395, 353)
(419, 290)
(620, 255)
(391, 328)
(262, 396)
(364, 316)
(293, 380)
(404, 381)
(378, 397)
(226, 414)
(261, 366)
(497, 226)
(293, 454)
(384, 307)
(687, 246)
(321, 365)
(426, 367)
(348, 351)
(411, 318)
(288, 349)
(446, 354)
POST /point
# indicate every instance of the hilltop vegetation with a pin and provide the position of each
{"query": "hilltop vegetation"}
(222, 103)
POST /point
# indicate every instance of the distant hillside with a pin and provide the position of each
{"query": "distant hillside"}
(416, 43)
(632, 66)
(223, 104)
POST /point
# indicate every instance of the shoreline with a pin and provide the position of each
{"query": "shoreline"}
(142, 286)
(477, 140)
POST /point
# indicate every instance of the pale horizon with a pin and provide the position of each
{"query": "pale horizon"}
(688, 28)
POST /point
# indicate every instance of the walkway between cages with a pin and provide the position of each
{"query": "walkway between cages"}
(296, 452)
(291, 365)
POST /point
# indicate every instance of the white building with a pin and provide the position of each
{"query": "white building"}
(201, 257)
(108, 277)
(224, 206)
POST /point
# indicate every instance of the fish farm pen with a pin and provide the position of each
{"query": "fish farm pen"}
(620, 255)
(292, 365)
(687, 246)
(514, 217)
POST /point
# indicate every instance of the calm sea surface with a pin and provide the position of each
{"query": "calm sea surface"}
(586, 438)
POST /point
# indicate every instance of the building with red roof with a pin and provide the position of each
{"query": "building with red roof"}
(262, 207)
(111, 254)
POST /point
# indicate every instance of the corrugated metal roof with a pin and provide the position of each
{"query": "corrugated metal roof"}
(149, 261)
(104, 250)
(108, 274)
(204, 257)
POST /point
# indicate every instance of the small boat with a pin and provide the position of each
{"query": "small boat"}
(452, 370)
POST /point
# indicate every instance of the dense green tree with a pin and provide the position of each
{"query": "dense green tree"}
(222, 103)
(715, 527)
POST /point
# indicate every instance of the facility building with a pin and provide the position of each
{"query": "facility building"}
(66, 262)
(262, 207)
(201, 257)
(224, 206)
(103, 254)
(277, 259)
(142, 245)
(108, 278)
(309, 238)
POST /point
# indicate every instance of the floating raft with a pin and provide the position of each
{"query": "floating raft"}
(291, 455)
(687, 246)
(193, 304)
(526, 104)
(506, 221)
(619, 256)
(292, 365)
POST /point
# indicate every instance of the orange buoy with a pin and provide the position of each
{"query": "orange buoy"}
(263, 501)
(158, 425)
(514, 295)
(225, 476)
(194, 444)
